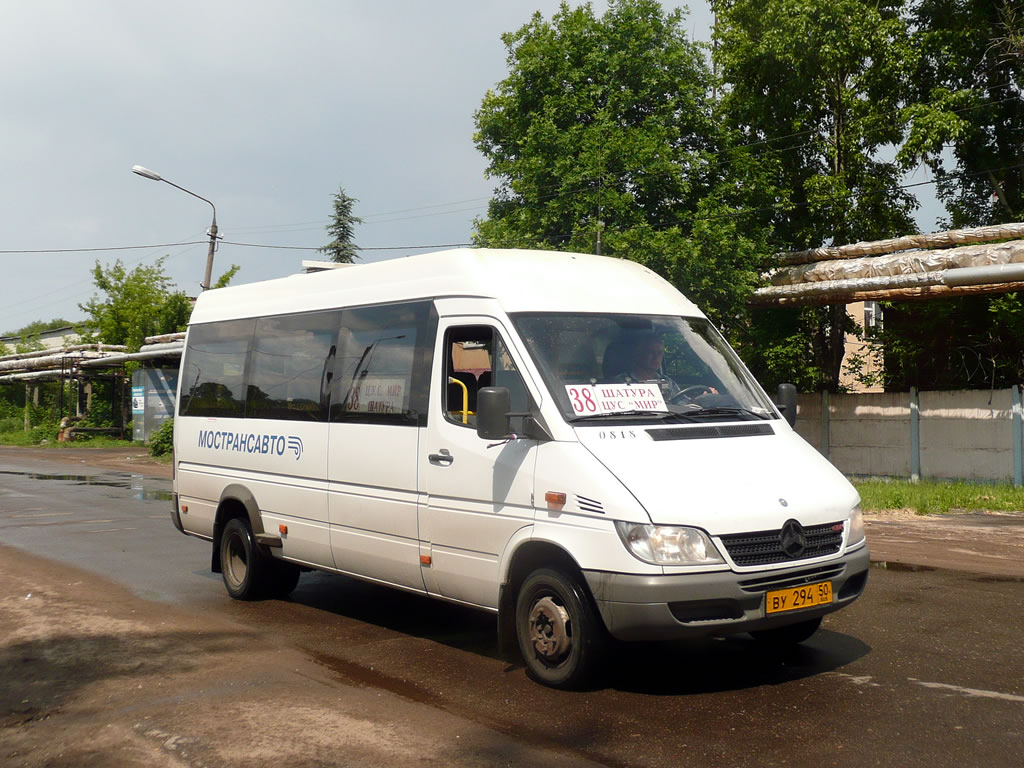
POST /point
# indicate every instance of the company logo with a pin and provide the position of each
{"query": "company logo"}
(250, 442)
(792, 539)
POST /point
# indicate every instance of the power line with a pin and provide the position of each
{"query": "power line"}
(112, 248)
(358, 248)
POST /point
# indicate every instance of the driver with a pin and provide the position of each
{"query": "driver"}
(645, 364)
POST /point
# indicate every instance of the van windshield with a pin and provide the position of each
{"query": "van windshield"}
(613, 367)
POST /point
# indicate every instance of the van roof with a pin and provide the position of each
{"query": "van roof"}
(520, 280)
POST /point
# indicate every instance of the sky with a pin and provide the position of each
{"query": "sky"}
(264, 107)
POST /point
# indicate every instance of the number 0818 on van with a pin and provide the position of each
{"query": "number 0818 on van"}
(561, 439)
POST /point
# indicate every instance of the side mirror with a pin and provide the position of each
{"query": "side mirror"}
(787, 402)
(492, 407)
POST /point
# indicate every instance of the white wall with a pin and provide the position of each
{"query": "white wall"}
(957, 435)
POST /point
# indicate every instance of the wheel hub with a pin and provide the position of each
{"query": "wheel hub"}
(550, 629)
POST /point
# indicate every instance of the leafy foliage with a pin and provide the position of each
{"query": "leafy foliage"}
(603, 138)
(161, 442)
(966, 105)
(40, 326)
(135, 304)
(967, 75)
(226, 278)
(972, 341)
(341, 249)
(817, 86)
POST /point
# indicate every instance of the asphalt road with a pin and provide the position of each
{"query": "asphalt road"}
(927, 669)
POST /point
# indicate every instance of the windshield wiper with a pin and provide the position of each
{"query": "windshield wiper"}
(664, 415)
(729, 411)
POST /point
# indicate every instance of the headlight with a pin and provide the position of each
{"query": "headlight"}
(856, 524)
(668, 545)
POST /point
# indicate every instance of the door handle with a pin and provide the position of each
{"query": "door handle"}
(444, 457)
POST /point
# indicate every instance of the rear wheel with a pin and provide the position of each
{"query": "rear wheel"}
(791, 634)
(560, 635)
(244, 568)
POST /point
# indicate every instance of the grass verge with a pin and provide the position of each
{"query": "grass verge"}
(34, 438)
(929, 497)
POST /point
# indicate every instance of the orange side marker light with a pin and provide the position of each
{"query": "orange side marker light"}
(283, 529)
(555, 499)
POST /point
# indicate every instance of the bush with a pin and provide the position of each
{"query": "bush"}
(12, 424)
(161, 442)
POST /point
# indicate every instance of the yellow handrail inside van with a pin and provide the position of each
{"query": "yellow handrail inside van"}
(465, 398)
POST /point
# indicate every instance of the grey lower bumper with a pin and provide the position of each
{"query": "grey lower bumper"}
(719, 603)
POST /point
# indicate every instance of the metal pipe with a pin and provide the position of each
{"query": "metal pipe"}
(996, 273)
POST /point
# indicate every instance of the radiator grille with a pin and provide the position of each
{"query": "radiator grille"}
(765, 547)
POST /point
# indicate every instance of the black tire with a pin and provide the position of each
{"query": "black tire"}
(284, 579)
(792, 634)
(244, 568)
(560, 635)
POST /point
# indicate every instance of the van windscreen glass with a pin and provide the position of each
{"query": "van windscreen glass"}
(644, 367)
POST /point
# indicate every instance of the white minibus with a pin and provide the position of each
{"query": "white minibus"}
(561, 439)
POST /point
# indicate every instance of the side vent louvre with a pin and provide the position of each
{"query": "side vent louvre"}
(589, 505)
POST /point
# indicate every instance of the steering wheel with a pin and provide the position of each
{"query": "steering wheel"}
(695, 390)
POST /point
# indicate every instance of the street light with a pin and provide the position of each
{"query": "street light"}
(148, 174)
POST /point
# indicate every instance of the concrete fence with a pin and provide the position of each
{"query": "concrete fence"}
(968, 435)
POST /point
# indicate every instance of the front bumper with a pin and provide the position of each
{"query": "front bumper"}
(719, 603)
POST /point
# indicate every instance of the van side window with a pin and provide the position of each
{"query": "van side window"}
(476, 358)
(289, 366)
(382, 364)
(213, 371)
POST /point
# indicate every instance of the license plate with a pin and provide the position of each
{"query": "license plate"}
(798, 597)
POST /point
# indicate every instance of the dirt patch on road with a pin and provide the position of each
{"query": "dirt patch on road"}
(94, 676)
(128, 459)
(989, 543)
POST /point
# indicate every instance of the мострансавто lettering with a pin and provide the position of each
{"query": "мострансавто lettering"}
(247, 442)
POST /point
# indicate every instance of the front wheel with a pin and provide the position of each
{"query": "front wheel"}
(560, 635)
(243, 567)
(792, 634)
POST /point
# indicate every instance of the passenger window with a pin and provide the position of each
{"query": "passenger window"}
(382, 364)
(290, 366)
(476, 358)
(213, 372)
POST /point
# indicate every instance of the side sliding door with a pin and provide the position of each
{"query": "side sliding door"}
(379, 398)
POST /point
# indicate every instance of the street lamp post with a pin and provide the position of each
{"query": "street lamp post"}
(148, 174)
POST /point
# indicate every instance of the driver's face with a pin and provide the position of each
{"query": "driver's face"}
(651, 354)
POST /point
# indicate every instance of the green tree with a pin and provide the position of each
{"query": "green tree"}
(965, 114)
(134, 304)
(224, 280)
(966, 102)
(40, 326)
(603, 138)
(817, 87)
(341, 249)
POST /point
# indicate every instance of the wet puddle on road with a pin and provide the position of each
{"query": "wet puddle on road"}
(141, 485)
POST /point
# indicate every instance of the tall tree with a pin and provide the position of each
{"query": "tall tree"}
(341, 249)
(134, 304)
(603, 138)
(966, 122)
(818, 87)
(966, 102)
